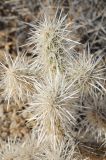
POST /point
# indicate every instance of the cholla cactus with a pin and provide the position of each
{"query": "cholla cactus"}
(51, 108)
(89, 73)
(94, 119)
(10, 150)
(51, 42)
(64, 151)
(30, 150)
(16, 79)
(15, 149)
(65, 76)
